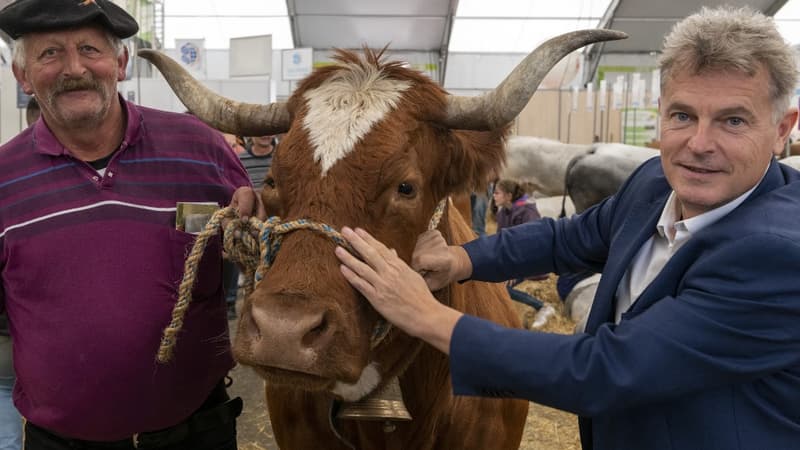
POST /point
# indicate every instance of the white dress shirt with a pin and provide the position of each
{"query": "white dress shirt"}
(671, 233)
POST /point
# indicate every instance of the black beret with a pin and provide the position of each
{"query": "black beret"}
(30, 16)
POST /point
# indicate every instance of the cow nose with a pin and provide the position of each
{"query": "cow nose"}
(291, 338)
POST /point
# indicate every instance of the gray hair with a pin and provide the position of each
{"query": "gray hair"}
(731, 39)
(19, 48)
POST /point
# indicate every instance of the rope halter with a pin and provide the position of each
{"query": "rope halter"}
(255, 256)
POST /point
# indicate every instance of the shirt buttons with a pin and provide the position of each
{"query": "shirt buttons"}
(96, 178)
(111, 174)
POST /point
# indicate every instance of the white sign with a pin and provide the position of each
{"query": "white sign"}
(297, 63)
(655, 87)
(251, 56)
(589, 97)
(192, 54)
(636, 89)
(603, 95)
(575, 92)
(617, 90)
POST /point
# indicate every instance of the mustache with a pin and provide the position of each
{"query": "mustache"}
(74, 84)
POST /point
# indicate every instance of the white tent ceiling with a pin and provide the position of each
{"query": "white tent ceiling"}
(428, 25)
(407, 25)
(442, 26)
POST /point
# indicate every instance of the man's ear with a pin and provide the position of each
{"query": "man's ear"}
(122, 62)
(22, 79)
(785, 126)
(467, 160)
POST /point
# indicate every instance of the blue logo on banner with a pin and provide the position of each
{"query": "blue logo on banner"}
(296, 59)
(189, 54)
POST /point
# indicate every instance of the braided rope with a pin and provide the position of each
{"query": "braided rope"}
(255, 256)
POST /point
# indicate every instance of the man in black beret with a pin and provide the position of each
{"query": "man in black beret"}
(90, 258)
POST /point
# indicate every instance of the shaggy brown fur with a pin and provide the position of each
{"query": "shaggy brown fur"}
(369, 188)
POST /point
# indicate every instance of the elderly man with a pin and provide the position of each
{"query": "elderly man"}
(91, 257)
(692, 341)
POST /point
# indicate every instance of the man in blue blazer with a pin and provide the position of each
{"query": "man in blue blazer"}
(693, 341)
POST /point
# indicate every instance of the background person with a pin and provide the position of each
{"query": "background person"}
(478, 202)
(257, 158)
(514, 208)
(89, 251)
(236, 143)
(692, 338)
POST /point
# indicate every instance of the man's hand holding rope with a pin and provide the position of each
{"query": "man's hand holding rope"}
(395, 290)
(247, 201)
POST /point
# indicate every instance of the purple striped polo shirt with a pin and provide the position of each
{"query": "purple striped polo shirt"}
(90, 269)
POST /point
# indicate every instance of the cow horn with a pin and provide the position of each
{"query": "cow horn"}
(500, 106)
(226, 115)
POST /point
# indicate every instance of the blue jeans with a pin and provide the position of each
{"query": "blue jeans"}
(10, 420)
(478, 204)
(230, 281)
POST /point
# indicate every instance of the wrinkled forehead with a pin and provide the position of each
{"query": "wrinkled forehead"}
(345, 108)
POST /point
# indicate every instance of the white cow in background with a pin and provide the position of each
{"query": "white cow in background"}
(594, 176)
(791, 161)
(588, 172)
(541, 162)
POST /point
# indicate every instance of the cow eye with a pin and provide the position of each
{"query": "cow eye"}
(405, 189)
(269, 181)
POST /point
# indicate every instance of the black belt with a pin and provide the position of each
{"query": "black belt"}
(215, 412)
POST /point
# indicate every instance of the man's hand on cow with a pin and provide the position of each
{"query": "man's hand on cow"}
(438, 263)
(395, 290)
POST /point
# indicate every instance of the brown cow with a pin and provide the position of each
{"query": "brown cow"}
(376, 145)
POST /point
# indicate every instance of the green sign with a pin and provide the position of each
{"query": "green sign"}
(639, 125)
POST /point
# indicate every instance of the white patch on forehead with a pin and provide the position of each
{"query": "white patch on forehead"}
(345, 108)
(367, 382)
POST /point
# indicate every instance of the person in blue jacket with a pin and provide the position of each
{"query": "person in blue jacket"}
(693, 340)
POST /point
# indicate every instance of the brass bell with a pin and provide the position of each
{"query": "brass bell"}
(386, 404)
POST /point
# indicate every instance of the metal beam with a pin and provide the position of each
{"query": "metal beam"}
(595, 52)
(292, 12)
(772, 9)
(444, 48)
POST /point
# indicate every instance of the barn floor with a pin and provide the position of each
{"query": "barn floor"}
(546, 429)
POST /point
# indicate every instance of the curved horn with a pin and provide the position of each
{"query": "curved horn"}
(229, 116)
(500, 106)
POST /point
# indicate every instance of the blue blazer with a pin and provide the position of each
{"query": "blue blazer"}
(708, 357)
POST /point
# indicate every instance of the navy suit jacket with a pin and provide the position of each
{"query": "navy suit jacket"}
(708, 357)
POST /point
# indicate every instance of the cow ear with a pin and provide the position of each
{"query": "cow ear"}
(472, 158)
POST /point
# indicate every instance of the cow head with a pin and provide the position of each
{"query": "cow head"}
(368, 144)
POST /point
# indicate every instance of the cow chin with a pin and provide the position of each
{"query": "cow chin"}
(282, 377)
(347, 390)
(367, 382)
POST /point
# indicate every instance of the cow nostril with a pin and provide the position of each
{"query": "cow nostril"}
(317, 331)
